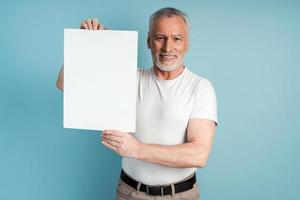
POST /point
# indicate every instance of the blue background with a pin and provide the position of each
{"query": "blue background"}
(249, 50)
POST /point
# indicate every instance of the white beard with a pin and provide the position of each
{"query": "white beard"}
(164, 67)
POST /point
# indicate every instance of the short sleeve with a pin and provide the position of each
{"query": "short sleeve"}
(205, 105)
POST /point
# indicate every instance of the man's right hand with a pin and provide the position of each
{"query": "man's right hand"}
(86, 24)
(92, 24)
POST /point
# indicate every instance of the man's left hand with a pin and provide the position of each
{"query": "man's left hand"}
(122, 143)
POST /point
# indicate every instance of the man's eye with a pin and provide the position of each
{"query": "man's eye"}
(159, 38)
(178, 39)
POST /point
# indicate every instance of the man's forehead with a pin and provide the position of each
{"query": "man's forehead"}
(173, 32)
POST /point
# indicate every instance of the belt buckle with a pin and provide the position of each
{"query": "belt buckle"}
(155, 188)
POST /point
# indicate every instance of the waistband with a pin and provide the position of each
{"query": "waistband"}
(159, 190)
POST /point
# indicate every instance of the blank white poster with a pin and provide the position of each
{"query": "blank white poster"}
(100, 68)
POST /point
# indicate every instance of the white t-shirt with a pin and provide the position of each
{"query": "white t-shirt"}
(164, 108)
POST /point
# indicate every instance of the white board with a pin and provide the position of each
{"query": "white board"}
(100, 68)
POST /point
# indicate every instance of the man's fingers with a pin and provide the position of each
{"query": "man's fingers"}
(111, 137)
(110, 146)
(92, 24)
(95, 23)
(83, 25)
(101, 27)
(89, 24)
(115, 133)
(112, 143)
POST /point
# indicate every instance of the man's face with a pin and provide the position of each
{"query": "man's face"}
(168, 41)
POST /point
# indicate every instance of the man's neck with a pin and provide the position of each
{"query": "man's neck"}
(164, 75)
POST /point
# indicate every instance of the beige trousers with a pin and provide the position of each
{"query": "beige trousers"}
(126, 192)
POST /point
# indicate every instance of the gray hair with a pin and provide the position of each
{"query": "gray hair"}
(168, 12)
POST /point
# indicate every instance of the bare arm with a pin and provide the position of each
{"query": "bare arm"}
(60, 79)
(87, 24)
(194, 153)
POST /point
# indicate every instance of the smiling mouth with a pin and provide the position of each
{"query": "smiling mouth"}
(167, 57)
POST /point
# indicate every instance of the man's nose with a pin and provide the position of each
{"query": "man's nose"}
(168, 45)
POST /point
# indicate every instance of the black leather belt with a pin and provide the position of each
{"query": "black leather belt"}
(159, 190)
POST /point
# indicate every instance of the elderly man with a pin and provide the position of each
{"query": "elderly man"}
(176, 118)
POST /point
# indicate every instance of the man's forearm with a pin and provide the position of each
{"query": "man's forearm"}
(60, 79)
(181, 155)
(190, 154)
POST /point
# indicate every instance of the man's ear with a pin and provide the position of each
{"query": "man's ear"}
(148, 41)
